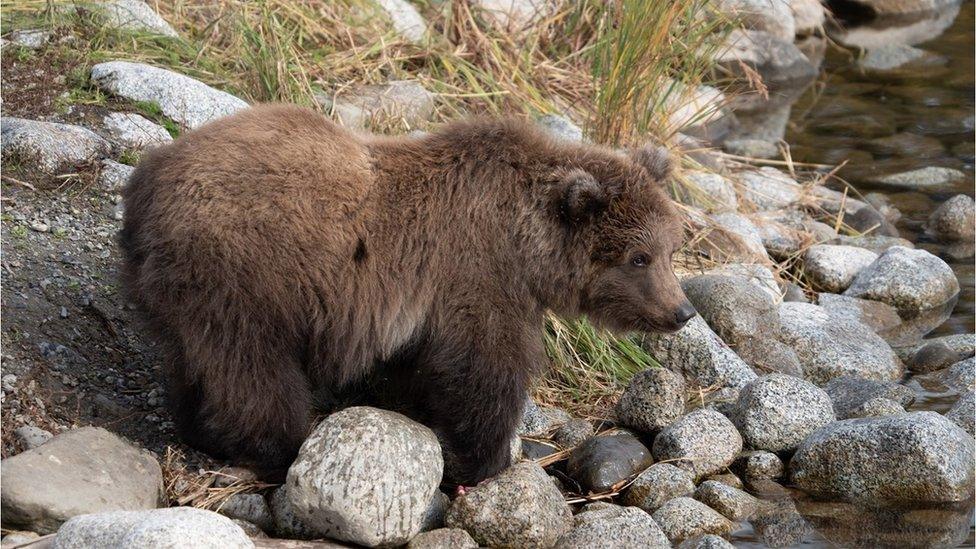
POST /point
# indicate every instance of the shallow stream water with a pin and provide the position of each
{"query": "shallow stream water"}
(928, 105)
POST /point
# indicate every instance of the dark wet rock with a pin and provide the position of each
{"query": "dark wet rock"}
(877, 407)
(86, 470)
(561, 127)
(733, 503)
(758, 465)
(932, 176)
(932, 357)
(699, 355)
(829, 347)
(613, 527)
(965, 151)
(657, 485)
(708, 541)
(909, 280)
(876, 243)
(171, 527)
(540, 421)
(521, 507)
(878, 316)
(954, 219)
(653, 400)
(603, 461)
(861, 125)
(683, 518)
(849, 393)
(778, 61)
(573, 432)
(912, 457)
(189, 102)
(703, 442)
(832, 268)
(536, 449)
(366, 476)
(436, 509)
(443, 538)
(963, 411)
(870, 220)
(252, 508)
(48, 147)
(908, 145)
(776, 412)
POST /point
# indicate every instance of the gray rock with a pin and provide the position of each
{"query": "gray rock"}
(573, 433)
(963, 411)
(890, 57)
(252, 508)
(751, 148)
(17, 537)
(833, 268)
(86, 470)
(602, 462)
(113, 176)
(778, 61)
(708, 541)
(710, 190)
(733, 503)
(850, 393)
(534, 450)
(740, 226)
(514, 15)
(912, 457)
(808, 15)
(778, 524)
(443, 538)
(776, 412)
(915, 8)
(657, 485)
(961, 376)
(521, 507)
(779, 240)
(30, 38)
(932, 176)
(964, 344)
(561, 127)
(402, 102)
(909, 280)
(48, 147)
(172, 527)
(774, 17)
(613, 527)
(877, 407)
(954, 219)
(134, 15)
(654, 399)
(699, 355)
(703, 442)
(250, 529)
(876, 315)
(770, 189)
(728, 479)
(407, 21)
(31, 437)
(878, 244)
(758, 465)
(434, 516)
(540, 421)
(366, 476)
(758, 275)
(683, 518)
(133, 131)
(286, 524)
(870, 220)
(908, 145)
(188, 102)
(829, 347)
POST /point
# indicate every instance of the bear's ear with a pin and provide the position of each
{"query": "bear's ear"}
(579, 195)
(656, 160)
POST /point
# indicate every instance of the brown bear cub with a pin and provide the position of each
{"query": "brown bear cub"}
(277, 256)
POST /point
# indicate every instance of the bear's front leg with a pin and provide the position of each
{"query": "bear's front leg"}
(476, 392)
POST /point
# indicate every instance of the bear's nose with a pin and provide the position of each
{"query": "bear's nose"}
(684, 313)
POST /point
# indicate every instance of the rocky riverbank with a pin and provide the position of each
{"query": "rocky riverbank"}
(782, 409)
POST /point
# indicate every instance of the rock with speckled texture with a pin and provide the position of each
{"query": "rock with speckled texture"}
(703, 442)
(613, 527)
(159, 528)
(776, 412)
(908, 279)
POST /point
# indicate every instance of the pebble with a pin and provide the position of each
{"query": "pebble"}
(31, 437)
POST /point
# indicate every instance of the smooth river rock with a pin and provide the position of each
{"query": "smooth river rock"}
(832, 268)
(159, 528)
(908, 279)
(848, 394)
(733, 503)
(613, 527)
(657, 485)
(654, 399)
(48, 147)
(683, 518)
(366, 476)
(912, 457)
(699, 355)
(703, 442)
(86, 470)
(776, 412)
(604, 461)
(954, 219)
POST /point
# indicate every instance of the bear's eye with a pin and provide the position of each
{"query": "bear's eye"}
(639, 260)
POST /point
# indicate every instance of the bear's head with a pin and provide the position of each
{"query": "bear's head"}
(617, 210)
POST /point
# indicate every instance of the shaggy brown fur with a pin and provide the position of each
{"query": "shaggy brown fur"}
(276, 254)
